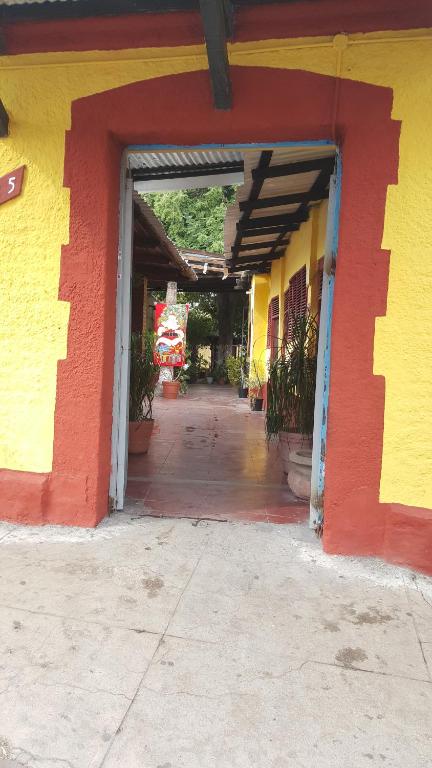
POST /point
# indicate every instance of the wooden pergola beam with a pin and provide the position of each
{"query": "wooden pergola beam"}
(289, 169)
(317, 188)
(263, 257)
(278, 200)
(214, 19)
(4, 121)
(255, 232)
(263, 246)
(284, 219)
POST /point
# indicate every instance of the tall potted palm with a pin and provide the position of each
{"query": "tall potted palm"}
(144, 375)
(291, 400)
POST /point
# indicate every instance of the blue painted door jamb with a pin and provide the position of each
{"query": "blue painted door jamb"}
(324, 351)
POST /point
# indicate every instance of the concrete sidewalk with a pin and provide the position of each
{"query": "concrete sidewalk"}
(169, 644)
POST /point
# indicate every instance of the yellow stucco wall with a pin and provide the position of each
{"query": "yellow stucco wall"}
(402, 351)
(38, 90)
(258, 342)
(34, 226)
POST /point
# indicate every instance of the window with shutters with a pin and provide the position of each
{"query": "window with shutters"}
(295, 300)
(273, 327)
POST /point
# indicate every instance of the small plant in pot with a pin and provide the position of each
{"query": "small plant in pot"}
(144, 375)
(256, 389)
(209, 376)
(291, 401)
(236, 374)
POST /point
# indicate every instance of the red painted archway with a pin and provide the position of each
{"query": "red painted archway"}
(270, 105)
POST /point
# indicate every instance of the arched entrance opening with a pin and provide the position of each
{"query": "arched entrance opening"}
(270, 106)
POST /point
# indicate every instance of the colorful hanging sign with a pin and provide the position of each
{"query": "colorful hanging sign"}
(11, 184)
(170, 329)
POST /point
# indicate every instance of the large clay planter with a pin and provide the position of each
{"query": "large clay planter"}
(299, 472)
(291, 441)
(140, 433)
(170, 389)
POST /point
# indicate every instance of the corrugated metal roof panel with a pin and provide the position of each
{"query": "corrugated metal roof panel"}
(181, 158)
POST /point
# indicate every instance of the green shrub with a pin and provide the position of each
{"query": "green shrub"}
(234, 370)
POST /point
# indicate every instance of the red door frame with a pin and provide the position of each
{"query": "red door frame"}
(76, 492)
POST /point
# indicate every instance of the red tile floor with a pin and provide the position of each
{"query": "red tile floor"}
(208, 459)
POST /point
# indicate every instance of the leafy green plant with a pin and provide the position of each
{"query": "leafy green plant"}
(292, 379)
(255, 381)
(182, 376)
(220, 371)
(234, 370)
(144, 375)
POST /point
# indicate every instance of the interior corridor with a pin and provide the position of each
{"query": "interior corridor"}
(208, 459)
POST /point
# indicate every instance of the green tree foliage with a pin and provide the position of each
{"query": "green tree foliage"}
(193, 218)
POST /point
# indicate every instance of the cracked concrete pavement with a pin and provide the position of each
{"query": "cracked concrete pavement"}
(152, 643)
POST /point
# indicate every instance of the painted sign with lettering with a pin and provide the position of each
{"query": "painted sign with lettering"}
(11, 184)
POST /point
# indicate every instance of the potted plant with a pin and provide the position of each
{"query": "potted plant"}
(291, 400)
(236, 374)
(144, 374)
(209, 376)
(179, 383)
(256, 389)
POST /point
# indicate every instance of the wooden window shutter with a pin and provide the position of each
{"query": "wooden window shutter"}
(295, 300)
(273, 316)
(269, 324)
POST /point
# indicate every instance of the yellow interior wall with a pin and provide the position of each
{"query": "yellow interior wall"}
(34, 226)
(258, 342)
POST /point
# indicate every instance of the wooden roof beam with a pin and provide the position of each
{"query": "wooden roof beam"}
(276, 229)
(284, 219)
(214, 18)
(288, 169)
(317, 188)
(278, 200)
(4, 121)
(263, 257)
(263, 246)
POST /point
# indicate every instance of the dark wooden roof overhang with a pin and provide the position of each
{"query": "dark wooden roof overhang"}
(263, 231)
(211, 272)
(154, 255)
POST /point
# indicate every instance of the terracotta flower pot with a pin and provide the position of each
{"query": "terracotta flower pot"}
(299, 472)
(140, 433)
(291, 441)
(170, 389)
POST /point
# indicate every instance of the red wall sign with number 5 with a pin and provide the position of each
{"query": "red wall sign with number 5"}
(10, 185)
